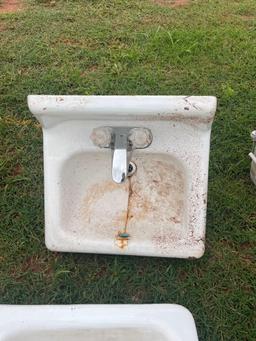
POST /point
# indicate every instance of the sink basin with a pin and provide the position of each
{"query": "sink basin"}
(150, 206)
(160, 210)
(97, 323)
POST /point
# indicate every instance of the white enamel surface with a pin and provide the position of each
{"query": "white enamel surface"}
(162, 207)
(97, 323)
(53, 109)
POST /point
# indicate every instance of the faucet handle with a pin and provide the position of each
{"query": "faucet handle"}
(140, 138)
(102, 137)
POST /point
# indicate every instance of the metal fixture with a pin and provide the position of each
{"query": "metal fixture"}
(131, 168)
(122, 141)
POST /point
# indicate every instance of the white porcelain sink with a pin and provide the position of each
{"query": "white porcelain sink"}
(97, 323)
(160, 210)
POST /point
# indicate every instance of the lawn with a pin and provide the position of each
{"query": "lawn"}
(207, 47)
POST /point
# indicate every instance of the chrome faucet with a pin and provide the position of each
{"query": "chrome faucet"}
(122, 141)
(122, 148)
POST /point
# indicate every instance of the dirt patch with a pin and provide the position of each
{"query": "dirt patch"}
(172, 3)
(90, 69)
(35, 264)
(247, 17)
(138, 297)
(2, 27)
(70, 42)
(17, 170)
(10, 6)
(249, 245)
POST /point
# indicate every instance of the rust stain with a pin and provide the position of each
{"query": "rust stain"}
(192, 120)
(186, 119)
(149, 206)
(130, 192)
(122, 241)
(156, 200)
(104, 212)
(175, 220)
(95, 193)
(164, 241)
(136, 200)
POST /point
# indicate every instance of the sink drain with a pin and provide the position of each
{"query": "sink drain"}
(131, 168)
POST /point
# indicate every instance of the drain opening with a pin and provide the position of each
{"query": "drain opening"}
(131, 168)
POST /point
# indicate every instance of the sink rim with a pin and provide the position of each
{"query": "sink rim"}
(200, 109)
(168, 319)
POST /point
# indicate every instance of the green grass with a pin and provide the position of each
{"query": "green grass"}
(132, 47)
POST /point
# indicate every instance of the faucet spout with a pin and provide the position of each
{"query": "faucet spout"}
(120, 159)
(119, 165)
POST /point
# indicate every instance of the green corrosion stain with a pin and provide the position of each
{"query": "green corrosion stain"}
(123, 235)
